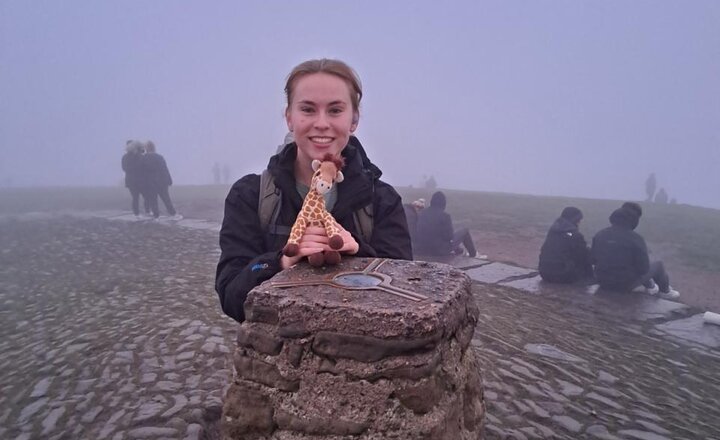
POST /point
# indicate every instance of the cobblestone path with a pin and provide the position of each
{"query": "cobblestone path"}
(111, 329)
(571, 366)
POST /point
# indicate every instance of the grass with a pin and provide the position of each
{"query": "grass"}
(690, 233)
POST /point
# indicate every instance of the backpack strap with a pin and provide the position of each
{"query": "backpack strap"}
(363, 219)
(269, 205)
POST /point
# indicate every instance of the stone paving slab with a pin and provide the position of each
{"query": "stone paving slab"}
(462, 262)
(693, 329)
(496, 272)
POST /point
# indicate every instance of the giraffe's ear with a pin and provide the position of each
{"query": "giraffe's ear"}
(316, 164)
(340, 177)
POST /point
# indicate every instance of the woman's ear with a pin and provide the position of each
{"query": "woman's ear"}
(355, 120)
(287, 119)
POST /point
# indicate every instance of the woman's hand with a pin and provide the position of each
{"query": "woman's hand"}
(313, 241)
(350, 246)
(316, 240)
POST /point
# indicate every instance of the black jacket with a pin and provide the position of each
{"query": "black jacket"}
(132, 164)
(564, 256)
(434, 231)
(249, 256)
(620, 254)
(156, 171)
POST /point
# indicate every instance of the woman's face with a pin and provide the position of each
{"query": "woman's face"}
(320, 116)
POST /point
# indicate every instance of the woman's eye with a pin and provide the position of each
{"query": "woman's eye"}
(306, 109)
(335, 111)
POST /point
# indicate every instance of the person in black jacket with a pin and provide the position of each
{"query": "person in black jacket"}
(435, 234)
(157, 181)
(621, 256)
(565, 256)
(134, 176)
(323, 98)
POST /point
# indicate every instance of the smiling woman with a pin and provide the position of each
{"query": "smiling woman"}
(323, 112)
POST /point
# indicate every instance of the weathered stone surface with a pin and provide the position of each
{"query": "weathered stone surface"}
(246, 410)
(258, 338)
(367, 348)
(255, 370)
(348, 362)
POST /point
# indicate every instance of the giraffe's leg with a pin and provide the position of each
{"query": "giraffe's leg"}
(333, 232)
(316, 260)
(332, 257)
(293, 244)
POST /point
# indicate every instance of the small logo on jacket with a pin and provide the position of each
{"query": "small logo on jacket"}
(259, 266)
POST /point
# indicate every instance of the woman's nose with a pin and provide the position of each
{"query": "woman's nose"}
(321, 121)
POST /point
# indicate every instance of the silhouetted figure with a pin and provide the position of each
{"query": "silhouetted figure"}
(412, 210)
(435, 235)
(226, 173)
(565, 256)
(430, 183)
(132, 165)
(621, 256)
(216, 173)
(158, 181)
(661, 197)
(650, 186)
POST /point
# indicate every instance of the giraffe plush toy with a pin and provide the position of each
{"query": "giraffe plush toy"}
(313, 212)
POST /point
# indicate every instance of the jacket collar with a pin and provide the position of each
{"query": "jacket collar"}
(355, 192)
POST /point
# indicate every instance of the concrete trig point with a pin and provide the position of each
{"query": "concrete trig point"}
(369, 349)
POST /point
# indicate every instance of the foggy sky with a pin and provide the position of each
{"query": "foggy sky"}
(573, 98)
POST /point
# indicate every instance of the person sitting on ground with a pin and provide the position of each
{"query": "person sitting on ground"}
(411, 215)
(435, 235)
(565, 256)
(621, 257)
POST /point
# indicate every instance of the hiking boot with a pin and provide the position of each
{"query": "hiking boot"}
(652, 290)
(670, 294)
(176, 217)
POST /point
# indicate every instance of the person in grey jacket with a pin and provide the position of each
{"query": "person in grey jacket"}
(435, 234)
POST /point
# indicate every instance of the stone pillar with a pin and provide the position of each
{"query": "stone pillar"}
(369, 349)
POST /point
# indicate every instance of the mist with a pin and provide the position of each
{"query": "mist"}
(566, 98)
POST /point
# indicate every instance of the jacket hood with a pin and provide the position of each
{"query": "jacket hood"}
(438, 201)
(563, 225)
(624, 218)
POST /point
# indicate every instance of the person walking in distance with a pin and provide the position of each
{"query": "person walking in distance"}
(158, 180)
(132, 165)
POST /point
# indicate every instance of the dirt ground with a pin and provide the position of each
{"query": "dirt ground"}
(697, 288)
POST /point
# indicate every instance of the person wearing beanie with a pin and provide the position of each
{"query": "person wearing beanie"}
(621, 257)
(565, 256)
(435, 234)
